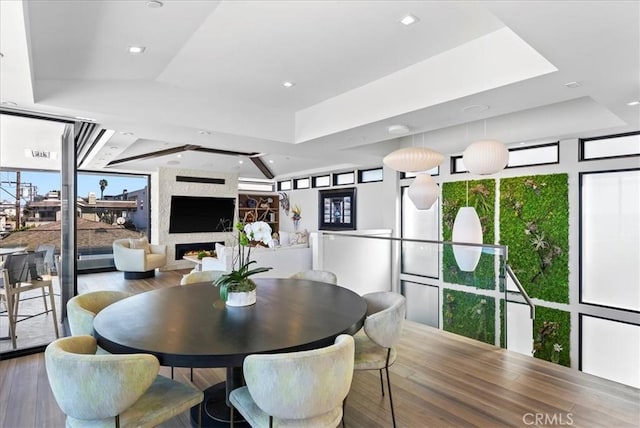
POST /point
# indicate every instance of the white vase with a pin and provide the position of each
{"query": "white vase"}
(241, 298)
(467, 228)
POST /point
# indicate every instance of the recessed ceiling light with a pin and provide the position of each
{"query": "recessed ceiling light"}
(288, 84)
(240, 161)
(154, 4)
(270, 160)
(127, 133)
(633, 103)
(204, 132)
(9, 103)
(572, 85)
(398, 129)
(114, 147)
(179, 155)
(409, 19)
(136, 49)
(475, 108)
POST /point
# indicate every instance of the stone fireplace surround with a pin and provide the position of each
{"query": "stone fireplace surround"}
(166, 183)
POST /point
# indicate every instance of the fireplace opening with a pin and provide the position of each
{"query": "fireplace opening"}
(182, 249)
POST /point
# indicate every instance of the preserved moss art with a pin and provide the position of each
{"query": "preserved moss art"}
(469, 315)
(534, 224)
(482, 197)
(551, 333)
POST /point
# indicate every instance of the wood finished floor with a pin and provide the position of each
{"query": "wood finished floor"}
(439, 380)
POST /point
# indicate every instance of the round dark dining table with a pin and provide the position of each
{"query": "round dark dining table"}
(189, 326)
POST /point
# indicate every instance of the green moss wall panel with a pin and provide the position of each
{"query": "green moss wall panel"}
(469, 314)
(534, 224)
(552, 327)
(481, 195)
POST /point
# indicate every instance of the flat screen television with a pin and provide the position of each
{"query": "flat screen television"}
(191, 214)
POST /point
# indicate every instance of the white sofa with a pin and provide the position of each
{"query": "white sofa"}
(285, 260)
(138, 263)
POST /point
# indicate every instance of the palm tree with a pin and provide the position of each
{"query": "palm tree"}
(103, 184)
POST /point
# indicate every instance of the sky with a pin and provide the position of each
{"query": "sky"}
(46, 181)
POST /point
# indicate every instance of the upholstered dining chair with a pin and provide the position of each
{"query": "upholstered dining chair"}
(98, 390)
(296, 389)
(317, 275)
(382, 327)
(83, 308)
(202, 276)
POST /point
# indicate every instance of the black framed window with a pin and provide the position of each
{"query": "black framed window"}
(284, 185)
(301, 183)
(343, 178)
(609, 146)
(433, 172)
(321, 181)
(609, 349)
(370, 175)
(608, 241)
(541, 154)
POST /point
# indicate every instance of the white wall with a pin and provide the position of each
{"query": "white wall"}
(163, 186)
(374, 206)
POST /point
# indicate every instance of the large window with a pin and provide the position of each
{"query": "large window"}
(420, 258)
(110, 206)
(31, 162)
(610, 233)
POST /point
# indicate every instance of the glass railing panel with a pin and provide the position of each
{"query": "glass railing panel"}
(362, 265)
(441, 289)
(471, 291)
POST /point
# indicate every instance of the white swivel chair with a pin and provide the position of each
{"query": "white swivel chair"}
(137, 258)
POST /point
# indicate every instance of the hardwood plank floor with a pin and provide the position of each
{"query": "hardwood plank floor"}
(439, 380)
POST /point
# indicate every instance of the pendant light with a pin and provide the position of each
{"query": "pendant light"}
(423, 192)
(485, 156)
(467, 229)
(413, 159)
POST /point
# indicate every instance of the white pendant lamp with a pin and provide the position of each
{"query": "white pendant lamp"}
(413, 159)
(485, 157)
(423, 192)
(467, 228)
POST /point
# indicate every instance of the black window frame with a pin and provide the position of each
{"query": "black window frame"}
(582, 141)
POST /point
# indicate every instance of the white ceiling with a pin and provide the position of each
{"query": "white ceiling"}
(219, 66)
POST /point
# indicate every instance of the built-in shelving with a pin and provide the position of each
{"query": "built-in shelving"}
(259, 207)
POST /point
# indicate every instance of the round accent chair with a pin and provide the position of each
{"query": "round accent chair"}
(137, 258)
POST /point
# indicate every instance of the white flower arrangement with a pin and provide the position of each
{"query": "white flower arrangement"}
(238, 279)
